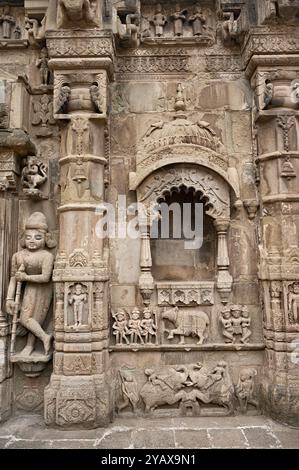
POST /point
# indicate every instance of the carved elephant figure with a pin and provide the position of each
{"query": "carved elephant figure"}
(187, 323)
(164, 387)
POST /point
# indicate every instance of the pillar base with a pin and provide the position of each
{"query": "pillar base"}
(281, 403)
(78, 402)
(5, 399)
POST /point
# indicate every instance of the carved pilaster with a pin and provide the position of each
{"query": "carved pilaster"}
(224, 279)
(276, 118)
(78, 393)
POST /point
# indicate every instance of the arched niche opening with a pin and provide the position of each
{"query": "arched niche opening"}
(174, 258)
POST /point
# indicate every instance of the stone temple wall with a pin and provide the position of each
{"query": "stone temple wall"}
(107, 104)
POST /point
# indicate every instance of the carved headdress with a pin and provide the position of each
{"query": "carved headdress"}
(38, 221)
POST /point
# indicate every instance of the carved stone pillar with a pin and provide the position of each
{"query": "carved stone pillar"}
(224, 279)
(78, 393)
(146, 280)
(276, 122)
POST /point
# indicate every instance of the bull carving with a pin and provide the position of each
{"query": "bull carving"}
(187, 323)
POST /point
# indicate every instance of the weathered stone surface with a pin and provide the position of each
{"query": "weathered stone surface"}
(126, 127)
(225, 438)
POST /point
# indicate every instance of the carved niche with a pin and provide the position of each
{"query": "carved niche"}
(77, 308)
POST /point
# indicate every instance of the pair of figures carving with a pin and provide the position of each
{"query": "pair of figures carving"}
(235, 322)
(178, 17)
(30, 288)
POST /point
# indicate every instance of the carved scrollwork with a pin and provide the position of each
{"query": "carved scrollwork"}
(163, 181)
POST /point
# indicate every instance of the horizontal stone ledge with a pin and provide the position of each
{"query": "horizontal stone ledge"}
(281, 197)
(270, 60)
(95, 64)
(273, 113)
(13, 44)
(277, 154)
(91, 116)
(87, 157)
(191, 347)
(80, 207)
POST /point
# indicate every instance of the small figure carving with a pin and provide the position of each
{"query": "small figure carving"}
(245, 389)
(245, 325)
(295, 91)
(268, 93)
(4, 116)
(229, 27)
(159, 20)
(235, 321)
(236, 311)
(187, 324)
(63, 97)
(130, 392)
(135, 326)
(96, 97)
(227, 325)
(34, 174)
(37, 266)
(35, 31)
(42, 64)
(220, 386)
(7, 22)
(78, 298)
(120, 327)
(178, 17)
(77, 12)
(148, 326)
(198, 21)
(17, 32)
(293, 301)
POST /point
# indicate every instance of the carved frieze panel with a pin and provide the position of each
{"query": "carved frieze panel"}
(187, 389)
(186, 323)
(180, 23)
(235, 323)
(269, 43)
(79, 44)
(134, 327)
(183, 294)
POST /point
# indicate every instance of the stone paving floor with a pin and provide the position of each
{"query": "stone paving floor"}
(245, 432)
